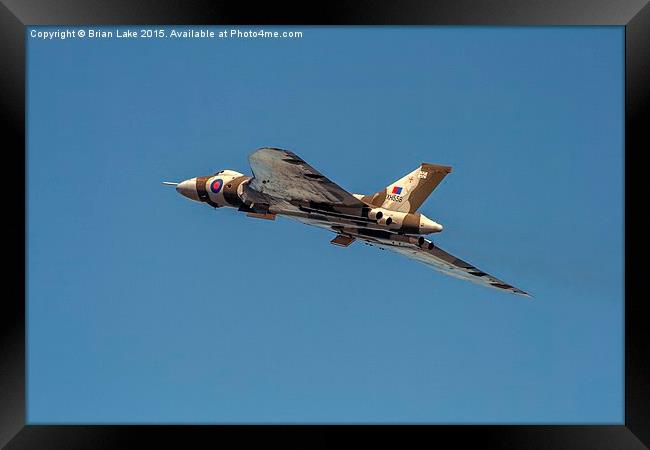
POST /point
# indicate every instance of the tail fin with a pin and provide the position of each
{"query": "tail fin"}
(409, 192)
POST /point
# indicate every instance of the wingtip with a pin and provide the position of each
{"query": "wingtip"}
(517, 291)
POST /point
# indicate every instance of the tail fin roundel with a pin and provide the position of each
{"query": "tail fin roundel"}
(409, 192)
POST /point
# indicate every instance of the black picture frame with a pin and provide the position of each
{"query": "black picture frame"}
(16, 15)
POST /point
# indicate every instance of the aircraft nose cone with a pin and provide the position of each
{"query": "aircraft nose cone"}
(187, 189)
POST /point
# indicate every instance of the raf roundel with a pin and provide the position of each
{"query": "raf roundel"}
(216, 185)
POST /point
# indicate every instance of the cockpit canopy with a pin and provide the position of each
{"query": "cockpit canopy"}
(228, 172)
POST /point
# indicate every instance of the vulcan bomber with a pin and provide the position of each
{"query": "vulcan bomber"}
(283, 184)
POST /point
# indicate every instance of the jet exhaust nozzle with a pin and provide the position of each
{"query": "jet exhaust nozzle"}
(375, 214)
(424, 243)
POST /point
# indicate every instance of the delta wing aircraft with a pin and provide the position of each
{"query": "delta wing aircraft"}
(284, 184)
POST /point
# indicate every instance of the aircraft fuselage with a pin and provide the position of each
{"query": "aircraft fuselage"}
(230, 189)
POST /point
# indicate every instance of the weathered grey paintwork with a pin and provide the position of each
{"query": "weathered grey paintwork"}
(284, 184)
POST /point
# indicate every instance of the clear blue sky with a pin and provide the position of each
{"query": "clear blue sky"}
(146, 307)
